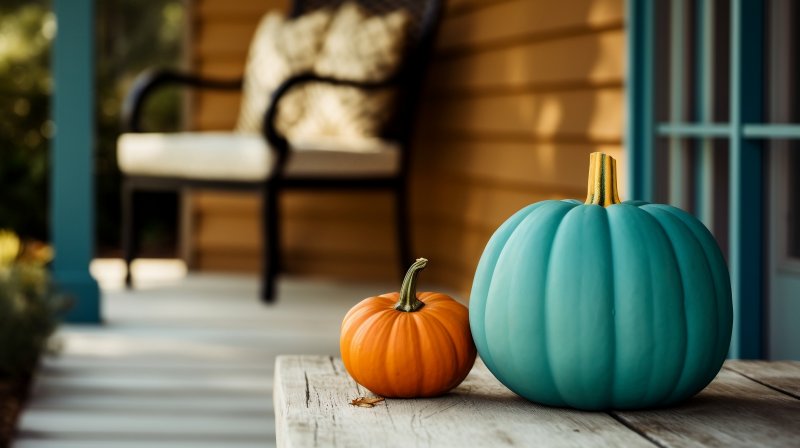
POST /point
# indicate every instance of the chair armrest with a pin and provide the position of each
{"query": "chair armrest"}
(150, 80)
(277, 141)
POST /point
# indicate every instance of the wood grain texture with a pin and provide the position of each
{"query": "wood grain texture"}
(216, 111)
(565, 115)
(220, 67)
(535, 168)
(226, 36)
(239, 9)
(519, 93)
(355, 242)
(312, 396)
(733, 411)
(457, 7)
(781, 375)
(526, 20)
(182, 362)
(305, 264)
(520, 66)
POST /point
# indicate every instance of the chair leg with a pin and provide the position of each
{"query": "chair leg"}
(403, 231)
(270, 265)
(128, 231)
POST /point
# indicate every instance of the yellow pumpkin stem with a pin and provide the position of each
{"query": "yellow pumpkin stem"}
(602, 180)
(408, 290)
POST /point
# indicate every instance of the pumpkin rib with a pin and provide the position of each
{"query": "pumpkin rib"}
(614, 288)
(625, 306)
(361, 339)
(435, 299)
(457, 338)
(361, 310)
(407, 344)
(673, 261)
(676, 385)
(618, 310)
(545, 302)
(359, 315)
(583, 229)
(653, 316)
(480, 289)
(545, 305)
(713, 255)
(438, 342)
(666, 398)
(522, 238)
(401, 372)
(708, 363)
(400, 351)
(449, 336)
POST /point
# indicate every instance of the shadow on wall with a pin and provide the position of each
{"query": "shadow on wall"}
(520, 93)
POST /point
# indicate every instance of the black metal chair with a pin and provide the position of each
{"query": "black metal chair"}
(407, 82)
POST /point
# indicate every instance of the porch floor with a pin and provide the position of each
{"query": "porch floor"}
(182, 361)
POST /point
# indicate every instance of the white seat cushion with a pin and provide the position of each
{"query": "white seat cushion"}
(246, 157)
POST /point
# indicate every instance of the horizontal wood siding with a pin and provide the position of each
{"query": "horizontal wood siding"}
(519, 93)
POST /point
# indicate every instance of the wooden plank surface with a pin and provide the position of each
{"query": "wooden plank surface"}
(781, 375)
(180, 362)
(312, 395)
(733, 411)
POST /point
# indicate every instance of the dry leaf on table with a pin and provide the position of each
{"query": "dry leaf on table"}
(366, 402)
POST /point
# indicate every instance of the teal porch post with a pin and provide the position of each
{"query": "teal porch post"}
(71, 175)
(746, 183)
(640, 132)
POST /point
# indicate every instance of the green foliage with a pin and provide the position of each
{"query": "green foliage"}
(25, 37)
(129, 38)
(29, 305)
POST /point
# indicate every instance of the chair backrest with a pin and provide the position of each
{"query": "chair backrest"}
(425, 16)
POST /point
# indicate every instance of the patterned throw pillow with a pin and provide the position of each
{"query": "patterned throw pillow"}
(357, 47)
(280, 48)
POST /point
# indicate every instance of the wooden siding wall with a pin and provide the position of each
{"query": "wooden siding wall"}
(223, 234)
(520, 92)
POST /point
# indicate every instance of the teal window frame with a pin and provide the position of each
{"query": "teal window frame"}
(745, 131)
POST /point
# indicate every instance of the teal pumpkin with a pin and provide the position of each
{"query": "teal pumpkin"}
(602, 305)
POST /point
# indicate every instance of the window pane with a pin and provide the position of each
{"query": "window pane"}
(692, 82)
(702, 181)
(782, 34)
(793, 215)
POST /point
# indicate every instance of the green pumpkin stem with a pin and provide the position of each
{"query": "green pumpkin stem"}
(602, 180)
(408, 290)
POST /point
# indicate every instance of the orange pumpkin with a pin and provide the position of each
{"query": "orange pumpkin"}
(408, 344)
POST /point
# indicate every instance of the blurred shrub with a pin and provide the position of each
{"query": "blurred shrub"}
(26, 32)
(29, 306)
(129, 38)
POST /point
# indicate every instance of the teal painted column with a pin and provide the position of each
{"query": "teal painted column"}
(71, 175)
(746, 184)
(640, 132)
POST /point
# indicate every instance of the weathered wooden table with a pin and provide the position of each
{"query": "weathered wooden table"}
(749, 404)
